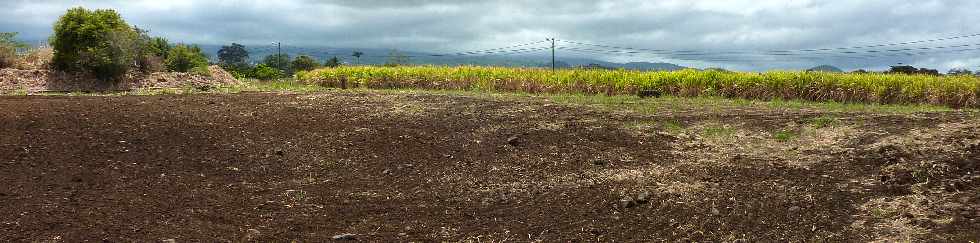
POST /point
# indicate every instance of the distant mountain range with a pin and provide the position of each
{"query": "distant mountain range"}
(826, 68)
(380, 56)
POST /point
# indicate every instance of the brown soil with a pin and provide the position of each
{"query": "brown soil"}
(42, 80)
(425, 167)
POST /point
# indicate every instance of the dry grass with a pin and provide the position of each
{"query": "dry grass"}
(39, 58)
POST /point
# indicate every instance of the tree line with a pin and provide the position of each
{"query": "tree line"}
(235, 58)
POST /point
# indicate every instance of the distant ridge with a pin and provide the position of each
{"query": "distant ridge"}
(379, 56)
(826, 68)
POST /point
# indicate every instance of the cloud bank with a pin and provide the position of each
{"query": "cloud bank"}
(729, 33)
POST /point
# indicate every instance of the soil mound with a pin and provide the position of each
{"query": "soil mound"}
(40, 80)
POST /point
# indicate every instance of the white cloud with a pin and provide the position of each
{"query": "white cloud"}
(446, 26)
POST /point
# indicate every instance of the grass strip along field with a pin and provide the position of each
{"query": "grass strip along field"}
(952, 91)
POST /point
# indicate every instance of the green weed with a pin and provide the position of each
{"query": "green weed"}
(785, 135)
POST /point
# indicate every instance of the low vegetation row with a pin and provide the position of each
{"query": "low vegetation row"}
(235, 58)
(954, 90)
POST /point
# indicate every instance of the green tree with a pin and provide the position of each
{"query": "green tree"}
(280, 62)
(305, 63)
(8, 49)
(184, 58)
(265, 72)
(96, 41)
(159, 46)
(333, 62)
(149, 52)
(357, 57)
(233, 56)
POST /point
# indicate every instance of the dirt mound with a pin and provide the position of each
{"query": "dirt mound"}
(38, 80)
(175, 80)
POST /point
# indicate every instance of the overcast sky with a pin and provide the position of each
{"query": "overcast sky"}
(717, 28)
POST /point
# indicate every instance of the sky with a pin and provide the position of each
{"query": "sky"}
(734, 34)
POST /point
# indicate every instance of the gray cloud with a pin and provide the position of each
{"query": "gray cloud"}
(448, 26)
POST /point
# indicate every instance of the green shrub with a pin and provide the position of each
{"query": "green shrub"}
(183, 58)
(203, 71)
(96, 41)
(150, 52)
(283, 63)
(265, 72)
(305, 63)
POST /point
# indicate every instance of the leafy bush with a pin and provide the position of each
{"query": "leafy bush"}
(203, 71)
(282, 63)
(96, 41)
(150, 52)
(183, 58)
(233, 56)
(305, 63)
(265, 72)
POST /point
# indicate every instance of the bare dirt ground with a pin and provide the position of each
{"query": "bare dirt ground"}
(429, 167)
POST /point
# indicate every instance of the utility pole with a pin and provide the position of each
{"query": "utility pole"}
(279, 56)
(554, 67)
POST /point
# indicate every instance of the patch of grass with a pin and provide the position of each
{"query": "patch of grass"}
(718, 131)
(21, 91)
(673, 126)
(785, 135)
(823, 121)
(289, 85)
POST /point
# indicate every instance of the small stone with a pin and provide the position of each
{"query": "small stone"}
(169, 241)
(251, 234)
(513, 140)
(627, 202)
(386, 172)
(964, 200)
(715, 211)
(347, 236)
(794, 208)
(643, 198)
(402, 234)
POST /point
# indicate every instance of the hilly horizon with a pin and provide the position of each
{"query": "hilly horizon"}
(376, 56)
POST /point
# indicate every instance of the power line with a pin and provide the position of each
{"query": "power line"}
(495, 49)
(890, 44)
(866, 54)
